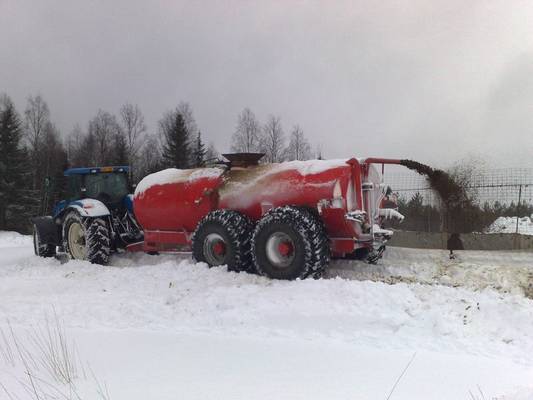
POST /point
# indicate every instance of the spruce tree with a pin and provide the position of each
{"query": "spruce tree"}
(17, 200)
(199, 152)
(176, 141)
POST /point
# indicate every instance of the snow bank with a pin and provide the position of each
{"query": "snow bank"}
(524, 394)
(152, 325)
(11, 239)
(502, 271)
(173, 175)
(160, 292)
(508, 225)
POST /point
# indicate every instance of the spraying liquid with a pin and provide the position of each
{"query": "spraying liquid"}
(453, 195)
(450, 191)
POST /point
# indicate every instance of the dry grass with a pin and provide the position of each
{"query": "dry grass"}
(401, 376)
(46, 362)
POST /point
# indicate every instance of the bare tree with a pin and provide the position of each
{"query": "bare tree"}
(150, 158)
(299, 148)
(272, 141)
(103, 127)
(73, 142)
(52, 161)
(37, 119)
(318, 152)
(211, 153)
(37, 116)
(246, 136)
(133, 128)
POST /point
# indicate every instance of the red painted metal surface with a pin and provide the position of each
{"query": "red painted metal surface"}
(256, 189)
(176, 206)
(169, 211)
(165, 240)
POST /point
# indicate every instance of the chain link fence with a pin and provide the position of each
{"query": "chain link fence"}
(506, 192)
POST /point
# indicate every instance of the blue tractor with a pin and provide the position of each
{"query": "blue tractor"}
(95, 219)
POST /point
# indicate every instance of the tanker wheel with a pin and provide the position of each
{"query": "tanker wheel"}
(289, 243)
(223, 237)
(86, 238)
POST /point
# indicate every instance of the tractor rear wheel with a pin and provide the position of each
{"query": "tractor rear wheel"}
(289, 243)
(42, 249)
(87, 238)
(223, 237)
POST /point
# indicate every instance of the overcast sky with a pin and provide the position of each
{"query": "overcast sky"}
(429, 80)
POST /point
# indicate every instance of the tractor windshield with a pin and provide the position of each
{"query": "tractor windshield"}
(106, 187)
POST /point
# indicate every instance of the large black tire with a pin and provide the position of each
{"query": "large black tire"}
(94, 243)
(223, 237)
(290, 243)
(42, 249)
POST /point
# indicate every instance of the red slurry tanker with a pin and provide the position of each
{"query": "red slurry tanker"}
(282, 220)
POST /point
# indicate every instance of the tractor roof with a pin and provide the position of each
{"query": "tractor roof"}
(95, 170)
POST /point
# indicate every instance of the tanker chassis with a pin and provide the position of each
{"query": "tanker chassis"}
(282, 220)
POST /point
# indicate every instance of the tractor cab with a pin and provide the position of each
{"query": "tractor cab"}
(108, 185)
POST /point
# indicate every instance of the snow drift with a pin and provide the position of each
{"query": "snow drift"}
(151, 326)
(508, 225)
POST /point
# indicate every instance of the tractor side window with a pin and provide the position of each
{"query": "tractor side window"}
(74, 187)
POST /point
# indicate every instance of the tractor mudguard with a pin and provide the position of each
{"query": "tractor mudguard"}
(88, 208)
(47, 229)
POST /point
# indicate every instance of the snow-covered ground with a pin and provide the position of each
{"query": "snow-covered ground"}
(162, 327)
(508, 225)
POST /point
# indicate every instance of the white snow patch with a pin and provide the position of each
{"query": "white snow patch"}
(502, 271)
(173, 175)
(11, 239)
(309, 167)
(151, 326)
(508, 225)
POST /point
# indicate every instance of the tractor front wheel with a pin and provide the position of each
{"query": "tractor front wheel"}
(87, 238)
(42, 249)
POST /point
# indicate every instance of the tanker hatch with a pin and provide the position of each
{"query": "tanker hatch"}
(243, 160)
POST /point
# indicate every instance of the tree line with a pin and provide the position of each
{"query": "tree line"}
(473, 218)
(34, 154)
(269, 138)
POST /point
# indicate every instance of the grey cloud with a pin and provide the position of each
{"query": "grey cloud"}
(427, 80)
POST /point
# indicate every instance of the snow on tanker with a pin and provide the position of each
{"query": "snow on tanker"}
(281, 220)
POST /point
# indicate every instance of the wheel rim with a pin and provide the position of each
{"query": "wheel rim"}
(280, 250)
(215, 249)
(76, 241)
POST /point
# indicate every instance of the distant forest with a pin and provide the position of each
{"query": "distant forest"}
(34, 153)
(429, 218)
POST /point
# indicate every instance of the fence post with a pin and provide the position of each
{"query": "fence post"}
(518, 207)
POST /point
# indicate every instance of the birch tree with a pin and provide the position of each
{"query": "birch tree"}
(272, 141)
(299, 148)
(134, 129)
(245, 139)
